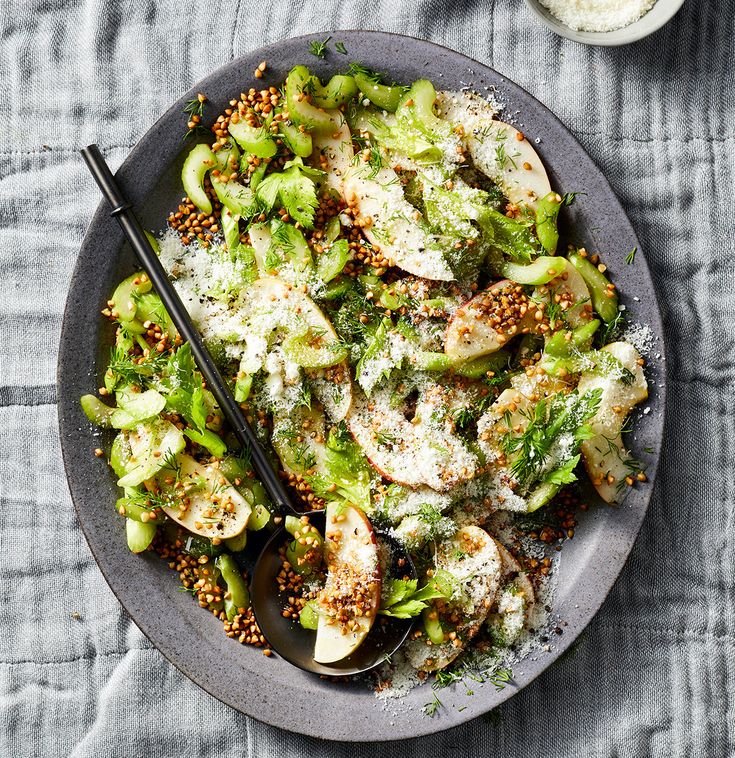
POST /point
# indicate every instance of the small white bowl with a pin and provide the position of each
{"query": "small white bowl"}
(661, 13)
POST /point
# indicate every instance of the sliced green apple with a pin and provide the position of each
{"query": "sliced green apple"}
(142, 451)
(473, 561)
(486, 322)
(604, 455)
(349, 602)
(202, 500)
(497, 149)
(392, 224)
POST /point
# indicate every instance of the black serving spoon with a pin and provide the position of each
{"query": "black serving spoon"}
(296, 644)
(286, 637)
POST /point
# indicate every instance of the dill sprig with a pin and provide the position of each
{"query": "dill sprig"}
(630, 258)
(130, 369)
(304, 396)
(374, 76)
(384, 439)
(570, 197)
(317, 48)
(473, 672)
(463, 418)
(150, 501)
(547, 422)
(194, 109)
(500, 678)
(502, 157)
(360, 70)
(613, 329)
(340, 48)
(431, 708)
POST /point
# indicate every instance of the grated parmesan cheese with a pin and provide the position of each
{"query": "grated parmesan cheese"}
(598, 15)
(640, 336)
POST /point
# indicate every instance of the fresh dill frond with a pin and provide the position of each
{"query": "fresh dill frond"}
(386, 440)
(360, 142)
(304, 400)
(273, 261)
(317, 48)
(130, 369)
(340, 48)
(613, 329)
(360, 70)
(483, 133)
(194, 110)
(194, 107)
(547, 422)
(569, 197)
(444, 678)
(173, 464)
(555, 313)
(375, 161)
(431, 708)
(630, 258)
(150, 501)
(502, 157)
(464, 418)
(500, 678)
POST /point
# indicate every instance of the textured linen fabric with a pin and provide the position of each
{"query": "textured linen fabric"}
(654, 675)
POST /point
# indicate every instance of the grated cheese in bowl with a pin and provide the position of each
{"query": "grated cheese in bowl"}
(598, 15)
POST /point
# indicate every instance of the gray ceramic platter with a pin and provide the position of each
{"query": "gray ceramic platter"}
(271, 690)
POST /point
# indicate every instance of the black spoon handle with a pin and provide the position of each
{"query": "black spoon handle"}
(127, 219)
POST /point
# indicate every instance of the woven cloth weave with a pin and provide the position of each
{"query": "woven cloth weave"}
(654, 674)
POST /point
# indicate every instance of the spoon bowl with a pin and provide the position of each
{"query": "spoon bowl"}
(294, 643)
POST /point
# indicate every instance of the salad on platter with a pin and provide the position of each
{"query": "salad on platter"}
(379, 272)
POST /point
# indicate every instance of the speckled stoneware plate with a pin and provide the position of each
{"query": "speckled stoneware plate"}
(272, 690)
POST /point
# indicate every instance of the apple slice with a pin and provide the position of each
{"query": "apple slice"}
(605, 457)
(497, 149)
(333, 389)
(350, 599)
(423, 451)
(517, 401)
(486, 322)
(205, 503)
(472, 558)
(392, 224)
(333, 151)
(309, 337)
(514, 602)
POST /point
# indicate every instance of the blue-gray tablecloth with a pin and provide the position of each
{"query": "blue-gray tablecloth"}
(654, 675)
